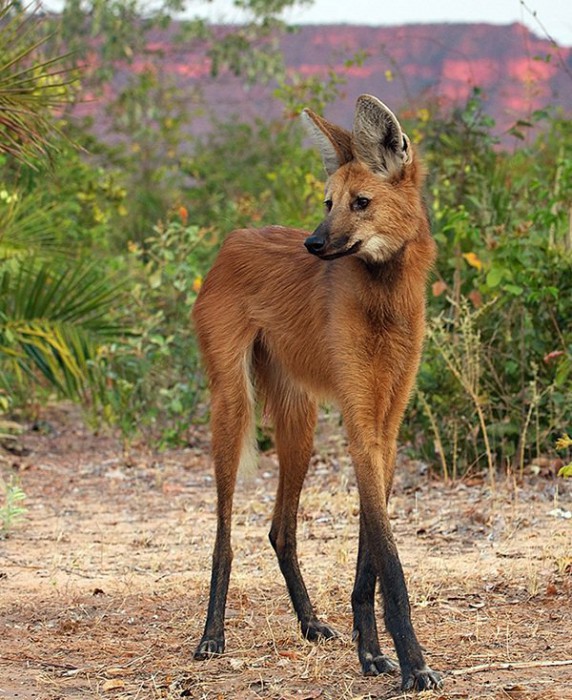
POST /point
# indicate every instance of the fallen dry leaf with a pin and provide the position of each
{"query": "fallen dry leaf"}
(438, 288)
(113, 684)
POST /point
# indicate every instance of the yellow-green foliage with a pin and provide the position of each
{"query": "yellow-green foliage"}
(564, 443)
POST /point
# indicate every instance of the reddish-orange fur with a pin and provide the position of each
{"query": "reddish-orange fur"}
(291, 328)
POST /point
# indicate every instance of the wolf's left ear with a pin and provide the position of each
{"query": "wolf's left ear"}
(377, 138)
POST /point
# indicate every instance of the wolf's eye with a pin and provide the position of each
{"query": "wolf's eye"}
(328, 204)
(361, 203)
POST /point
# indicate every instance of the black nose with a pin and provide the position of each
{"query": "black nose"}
(315, 244)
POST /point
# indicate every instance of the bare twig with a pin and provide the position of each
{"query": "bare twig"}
(508, 666)
(555, 45)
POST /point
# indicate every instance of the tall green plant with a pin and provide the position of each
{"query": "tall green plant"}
(12, 508)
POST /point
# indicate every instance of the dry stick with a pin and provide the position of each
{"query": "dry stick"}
(561, 60)
(507, 666)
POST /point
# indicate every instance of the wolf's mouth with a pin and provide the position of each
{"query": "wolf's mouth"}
(342, 253)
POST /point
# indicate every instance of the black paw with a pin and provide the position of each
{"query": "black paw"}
(316, 630)
(376, 665)
(209, 647)
(421, 679)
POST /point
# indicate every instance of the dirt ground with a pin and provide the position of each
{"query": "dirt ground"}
(104, 585)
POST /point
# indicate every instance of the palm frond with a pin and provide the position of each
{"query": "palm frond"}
(26, 228)
(60, 352)
(77, 293)
(53, 322)
(31, 86)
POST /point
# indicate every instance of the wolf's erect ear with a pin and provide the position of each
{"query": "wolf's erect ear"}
(333, 142)
(377, 138)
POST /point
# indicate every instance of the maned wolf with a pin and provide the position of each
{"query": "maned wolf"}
(290, 319)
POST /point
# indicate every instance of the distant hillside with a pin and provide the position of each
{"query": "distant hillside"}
(517, 71)
(405, 66)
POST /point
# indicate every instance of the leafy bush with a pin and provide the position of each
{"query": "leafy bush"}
(495, 383)
(152, 381)
(271, 178)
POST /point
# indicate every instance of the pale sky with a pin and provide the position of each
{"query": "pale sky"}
(555, 16)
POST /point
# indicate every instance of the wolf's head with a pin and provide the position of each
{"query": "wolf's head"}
(372, 200)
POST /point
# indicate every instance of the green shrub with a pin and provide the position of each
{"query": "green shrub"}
(152, 383)
(495, 382)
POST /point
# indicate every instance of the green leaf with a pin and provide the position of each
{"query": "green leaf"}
(495, 277)
(514, 289)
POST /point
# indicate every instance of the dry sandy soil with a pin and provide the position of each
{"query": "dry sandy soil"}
(104, 585)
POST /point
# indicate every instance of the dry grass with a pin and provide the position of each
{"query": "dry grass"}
(104, 587)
